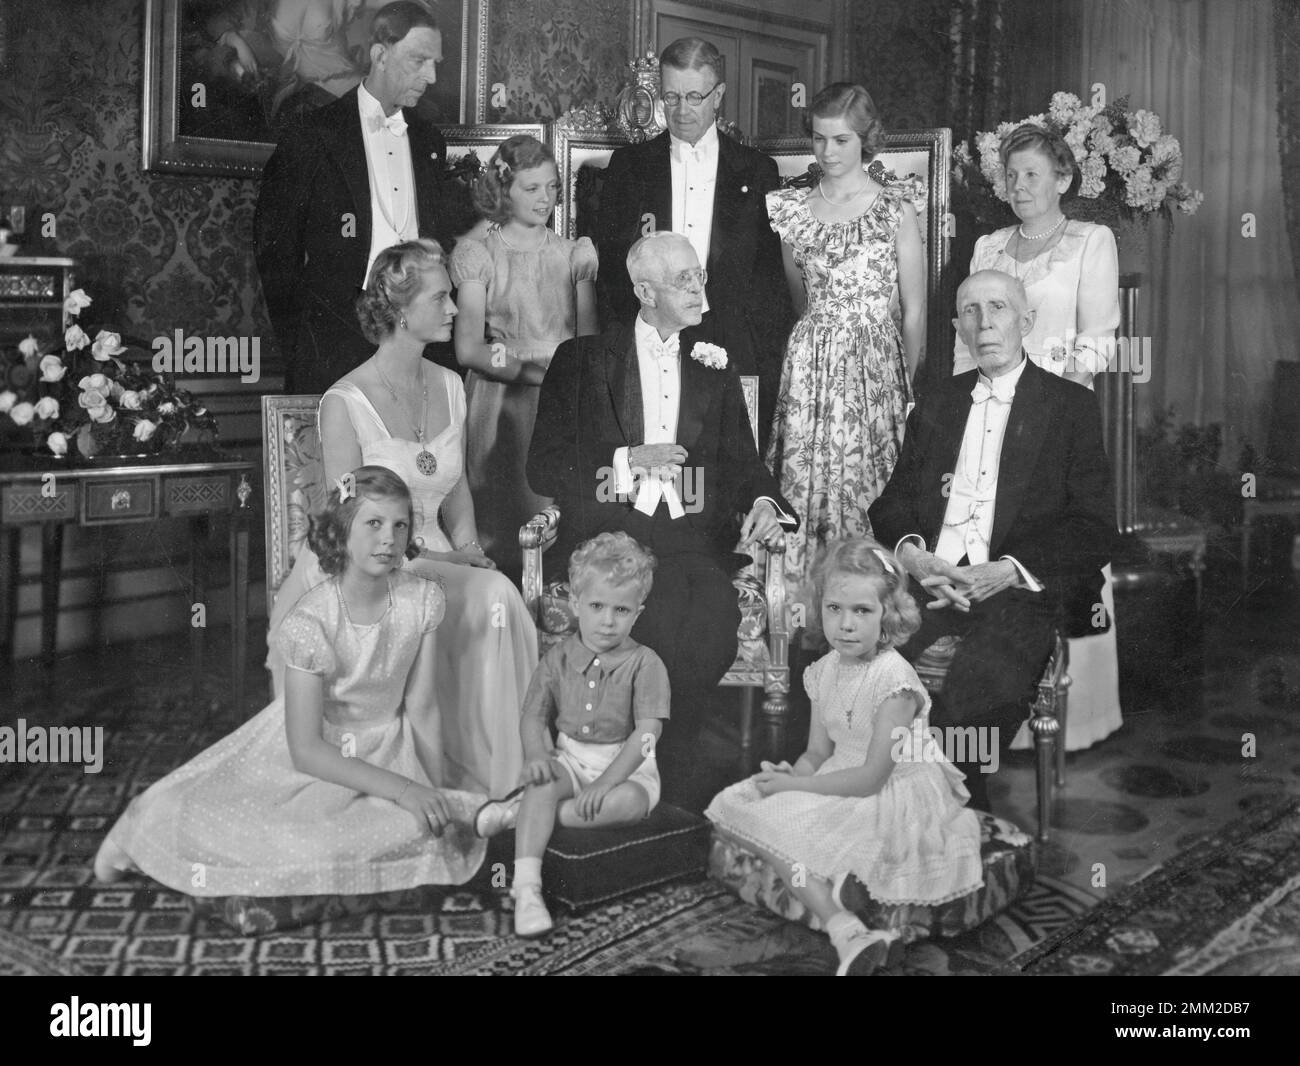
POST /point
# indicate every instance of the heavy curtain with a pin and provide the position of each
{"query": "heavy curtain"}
(1220, 301)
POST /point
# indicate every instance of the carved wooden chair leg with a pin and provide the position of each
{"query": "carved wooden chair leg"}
(746, 766)
(1047, 732)
(776, 711)
(1062, 711)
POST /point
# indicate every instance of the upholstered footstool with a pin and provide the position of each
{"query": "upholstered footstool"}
(1010, 862)
(584, 867)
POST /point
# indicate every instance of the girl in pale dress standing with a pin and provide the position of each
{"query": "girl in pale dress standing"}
(851, 246)
(401, 411)
(873, 795)
(522, 290)
(322, 792)
(1070, 271)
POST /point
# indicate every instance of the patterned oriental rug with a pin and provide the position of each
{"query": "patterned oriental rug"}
(55, 918)
(1228, 905)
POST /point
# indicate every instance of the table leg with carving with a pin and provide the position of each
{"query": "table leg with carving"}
(51, 576)
(13, 554)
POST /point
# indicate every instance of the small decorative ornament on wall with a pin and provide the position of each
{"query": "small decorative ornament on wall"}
(639, 110)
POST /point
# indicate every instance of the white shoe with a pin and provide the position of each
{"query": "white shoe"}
(111, 863)
(531, 916)
(496, 816)
(867, 951)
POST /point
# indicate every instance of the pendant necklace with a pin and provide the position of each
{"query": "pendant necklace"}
(425, 462)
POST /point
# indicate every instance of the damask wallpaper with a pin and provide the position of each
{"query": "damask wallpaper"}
(166, 252)
(552, 55)
(158, 252)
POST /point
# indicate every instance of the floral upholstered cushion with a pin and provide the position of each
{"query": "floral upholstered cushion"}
(1010, 862)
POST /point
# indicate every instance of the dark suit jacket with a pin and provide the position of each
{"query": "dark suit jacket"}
(1055, 506)
(748, 299)
(311, 262)
(591, 404)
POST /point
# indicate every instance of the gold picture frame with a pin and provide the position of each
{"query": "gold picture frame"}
(204, 109)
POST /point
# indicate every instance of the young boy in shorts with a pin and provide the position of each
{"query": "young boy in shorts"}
(607, 697)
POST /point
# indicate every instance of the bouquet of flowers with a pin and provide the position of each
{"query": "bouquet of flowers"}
(82, 395)
(1129, 166)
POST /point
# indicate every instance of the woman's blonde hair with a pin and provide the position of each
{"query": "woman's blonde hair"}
(394, 280)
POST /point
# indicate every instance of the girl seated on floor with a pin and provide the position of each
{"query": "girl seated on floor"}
(872, 795)
(321, 793)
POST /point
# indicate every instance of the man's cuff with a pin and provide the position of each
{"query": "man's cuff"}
(911, 538)
(788, 521)
(623, 484)
(1027, 580)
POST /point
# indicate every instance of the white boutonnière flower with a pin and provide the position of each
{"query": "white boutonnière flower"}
(710, 355)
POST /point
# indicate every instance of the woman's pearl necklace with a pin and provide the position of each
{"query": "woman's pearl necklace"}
(1040, 236)
(842, 203)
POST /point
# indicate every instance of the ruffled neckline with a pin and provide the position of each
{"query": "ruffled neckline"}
(910, 188)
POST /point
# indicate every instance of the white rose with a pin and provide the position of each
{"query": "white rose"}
(7, 400)
(23, 413)
(76, 302)
(75, 338)
(102, 414)
(47, 407)
(106, 346)
(131, 400)
(166, 407)
(52, 368)
(98, 382)
(144, 429)
(29, 347)
(57, 443)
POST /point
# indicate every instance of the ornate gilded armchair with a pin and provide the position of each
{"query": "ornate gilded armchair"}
(762, 660)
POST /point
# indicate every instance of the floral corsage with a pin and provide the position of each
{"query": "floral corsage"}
(710, 355)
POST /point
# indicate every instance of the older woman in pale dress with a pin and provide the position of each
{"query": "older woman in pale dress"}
(1070, 271)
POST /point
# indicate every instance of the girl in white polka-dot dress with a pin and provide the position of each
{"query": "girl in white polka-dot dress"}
(321, 792)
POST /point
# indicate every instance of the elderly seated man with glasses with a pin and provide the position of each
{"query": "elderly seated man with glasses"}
(643, 429)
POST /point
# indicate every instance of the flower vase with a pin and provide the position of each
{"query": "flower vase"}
(97, 452)
(1133, 244)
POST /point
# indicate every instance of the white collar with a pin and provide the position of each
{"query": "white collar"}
(647, 336)
(369, 105)
(1004, 385)
(706, 147)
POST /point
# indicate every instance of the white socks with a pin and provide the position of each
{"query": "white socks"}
(528, 872)
(843, 927)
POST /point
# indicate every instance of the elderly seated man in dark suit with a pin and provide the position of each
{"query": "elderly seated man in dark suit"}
(644, 430)
(1002, 511)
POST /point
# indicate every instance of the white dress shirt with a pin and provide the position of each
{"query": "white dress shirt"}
(660, 365)
(973, 490)
(695, 176)
(659, 362)
(393, 216)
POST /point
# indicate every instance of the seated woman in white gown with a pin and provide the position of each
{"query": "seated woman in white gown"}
(402, 412)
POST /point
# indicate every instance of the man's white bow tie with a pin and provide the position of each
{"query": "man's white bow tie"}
(669, 348)
(396, 123)
(982, 392)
